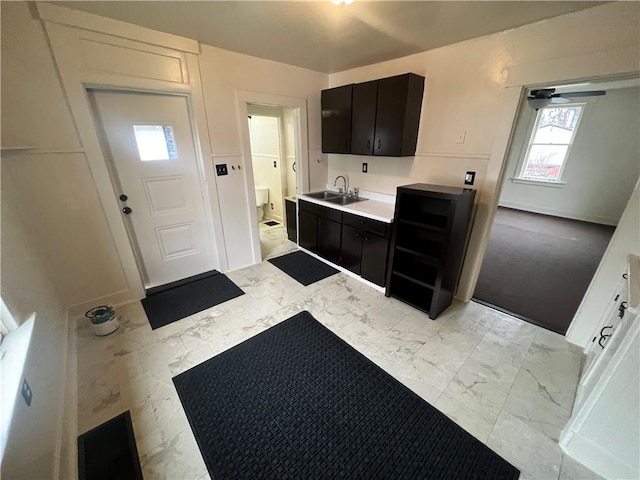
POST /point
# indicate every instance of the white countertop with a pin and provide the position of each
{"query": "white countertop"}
(374, 209)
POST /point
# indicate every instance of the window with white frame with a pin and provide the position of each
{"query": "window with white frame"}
(553, 134)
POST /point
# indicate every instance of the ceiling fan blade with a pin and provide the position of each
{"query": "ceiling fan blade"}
(592, 93)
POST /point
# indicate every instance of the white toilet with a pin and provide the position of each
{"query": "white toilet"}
(262, 198)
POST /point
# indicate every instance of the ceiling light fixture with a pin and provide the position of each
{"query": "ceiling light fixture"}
(342, 3)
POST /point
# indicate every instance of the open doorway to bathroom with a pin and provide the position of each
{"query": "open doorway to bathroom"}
(273, 156)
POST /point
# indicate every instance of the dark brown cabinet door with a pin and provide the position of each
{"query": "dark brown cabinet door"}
(292, 233)
(308, 230)
(351, 248)
(363, 117)
(336, 119)
(374, 258)
(390, 112)
(329, 233)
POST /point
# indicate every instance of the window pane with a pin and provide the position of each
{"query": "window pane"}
(557, 124)
(155, 142)
(544, 162)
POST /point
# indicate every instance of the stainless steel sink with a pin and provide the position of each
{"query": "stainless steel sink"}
(326, 195)
(345, 200)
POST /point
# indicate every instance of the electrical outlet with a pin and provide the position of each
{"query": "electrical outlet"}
(221, 169)
(27, 394)
(469, 178)
(365, 167)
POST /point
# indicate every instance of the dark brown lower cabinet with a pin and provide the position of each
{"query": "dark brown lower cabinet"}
(351, 248)
(356, 243)
(292, 228)
(329, 239)
(375, 250)
(308, 230)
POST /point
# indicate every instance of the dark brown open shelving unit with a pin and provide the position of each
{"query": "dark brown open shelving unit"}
(428, 243)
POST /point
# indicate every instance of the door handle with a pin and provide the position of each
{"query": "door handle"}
(368, 144)
(379, 144)
(126, 210)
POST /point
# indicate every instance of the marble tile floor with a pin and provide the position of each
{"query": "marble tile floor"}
(274, 241)
(508, 383)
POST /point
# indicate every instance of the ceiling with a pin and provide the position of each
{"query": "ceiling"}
(324, 37)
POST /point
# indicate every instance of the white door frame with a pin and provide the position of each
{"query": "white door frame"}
(95, 52)
(299, 105)
(610, 63)
(200, 166)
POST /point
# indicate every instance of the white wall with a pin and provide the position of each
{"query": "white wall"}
(51, 186)
(290, 153)
(33, 448)
(465, 91)
(602, 167)
(225, 73)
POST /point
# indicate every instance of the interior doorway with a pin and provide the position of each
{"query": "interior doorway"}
(274, 162)
(571, 169)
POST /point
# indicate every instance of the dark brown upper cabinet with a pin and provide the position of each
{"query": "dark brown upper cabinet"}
(385, 115)
(363, 117)
(336, 119)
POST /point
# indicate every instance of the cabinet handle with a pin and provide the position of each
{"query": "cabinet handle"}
(358, 235)
(379, 144)
(368, 144)
(366, 238)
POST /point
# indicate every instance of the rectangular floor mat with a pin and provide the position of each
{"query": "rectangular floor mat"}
(167, 306)
(303, 267)
(296, 401)
(109, 451)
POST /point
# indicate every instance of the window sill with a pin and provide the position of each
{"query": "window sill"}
(539, 183)
(13, 353)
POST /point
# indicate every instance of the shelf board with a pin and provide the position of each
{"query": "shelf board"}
(410, 303)
(426, 226)
(413, 280)
(429, 259)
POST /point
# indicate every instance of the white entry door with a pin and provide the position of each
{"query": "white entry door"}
(152, 150)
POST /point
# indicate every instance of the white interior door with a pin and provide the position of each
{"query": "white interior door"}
(153, 152)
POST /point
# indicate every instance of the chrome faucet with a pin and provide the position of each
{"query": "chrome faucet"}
(346, 184)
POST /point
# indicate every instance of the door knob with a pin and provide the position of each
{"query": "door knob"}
(126, 210)
(123, 198)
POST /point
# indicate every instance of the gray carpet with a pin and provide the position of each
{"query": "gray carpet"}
(538, 267)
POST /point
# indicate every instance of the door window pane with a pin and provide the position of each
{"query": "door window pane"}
(155, 142)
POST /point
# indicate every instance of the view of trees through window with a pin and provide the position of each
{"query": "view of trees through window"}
(550, 142)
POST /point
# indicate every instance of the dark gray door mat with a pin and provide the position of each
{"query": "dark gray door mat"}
(109, 451)
(167, 306)
(303, 267)
(296, 401)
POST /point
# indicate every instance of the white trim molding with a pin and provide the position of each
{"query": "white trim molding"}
(131, 59)
(115, 28)
(299, 105)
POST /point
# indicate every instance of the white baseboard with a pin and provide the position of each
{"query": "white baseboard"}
(115, 299)
(560, 213)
